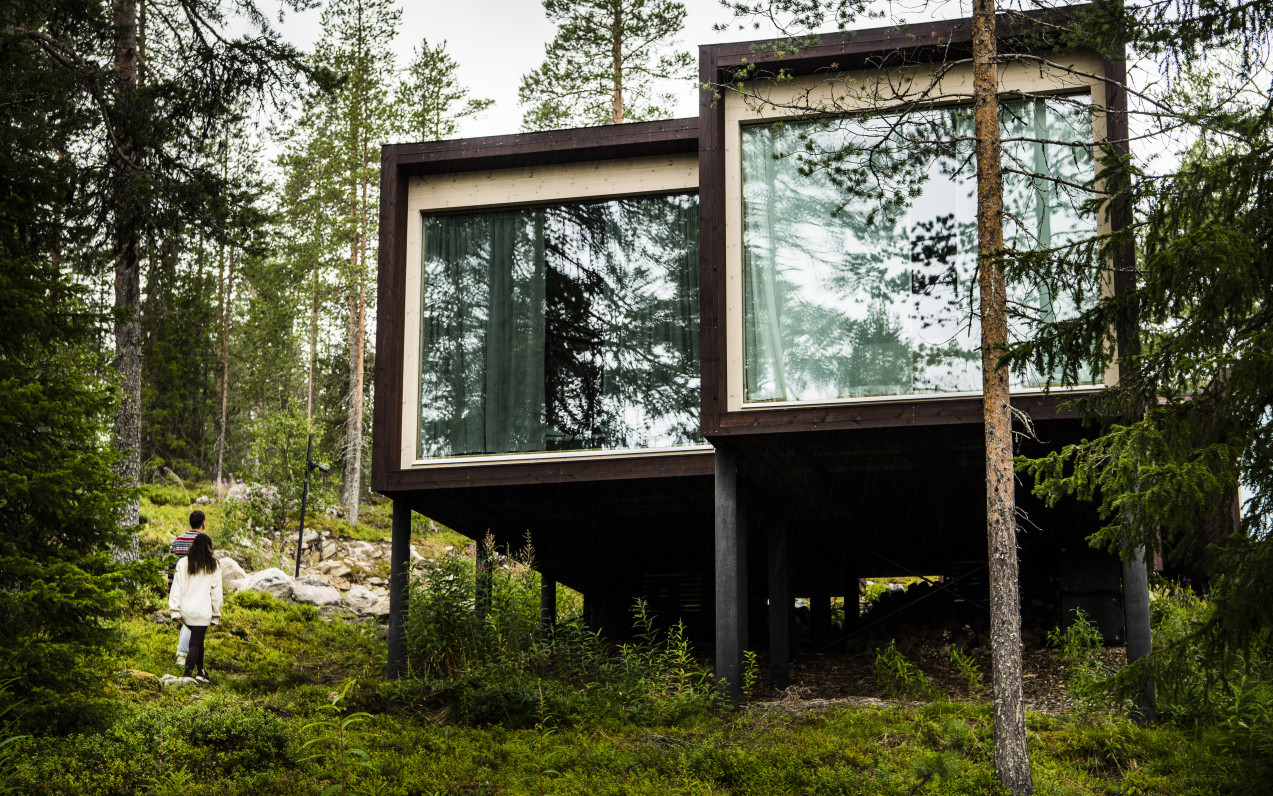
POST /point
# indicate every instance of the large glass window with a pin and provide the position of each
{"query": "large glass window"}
(562, 327)
(846, 297)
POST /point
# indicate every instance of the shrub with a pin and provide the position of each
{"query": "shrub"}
(166, 494)
(486, 660)
(898, 677)
(1088, 678)
(1198, 678)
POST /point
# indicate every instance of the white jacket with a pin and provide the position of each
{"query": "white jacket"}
(195, 599)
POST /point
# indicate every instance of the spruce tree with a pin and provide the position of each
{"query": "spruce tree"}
(143, 152)
(609, 63)
(1191, 417)
(60, 497)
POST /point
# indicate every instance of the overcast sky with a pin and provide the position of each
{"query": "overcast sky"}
(496, 41)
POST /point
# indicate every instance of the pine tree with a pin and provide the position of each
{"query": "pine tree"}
(356, 38)
(606, 64)
(431, 98)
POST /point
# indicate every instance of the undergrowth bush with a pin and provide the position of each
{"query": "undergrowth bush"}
(166, 494)
(486, 659)
(1088, 678)
(1200, 680)
(898, 677)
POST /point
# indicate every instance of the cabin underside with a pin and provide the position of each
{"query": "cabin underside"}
(817, 512)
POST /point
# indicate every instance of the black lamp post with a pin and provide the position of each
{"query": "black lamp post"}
(310, 464)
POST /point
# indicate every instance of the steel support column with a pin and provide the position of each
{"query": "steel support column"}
(779, 608)
(731, 576)
(1136, 619)
(399, 568)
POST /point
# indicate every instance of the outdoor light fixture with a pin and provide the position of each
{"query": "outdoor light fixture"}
(310, 466)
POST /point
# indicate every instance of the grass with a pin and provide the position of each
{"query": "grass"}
(282, 671)
(278, 664)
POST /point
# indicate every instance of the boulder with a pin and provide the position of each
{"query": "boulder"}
(271, 581)
(203, 500)
(334, 568)
(310, 537)
(174, 681)
(368, 602)
(137, 680)
(314, 591)
(329, 548)
(233, 578)
(160, 617)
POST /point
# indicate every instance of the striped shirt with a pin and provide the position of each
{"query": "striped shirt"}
(180, 548)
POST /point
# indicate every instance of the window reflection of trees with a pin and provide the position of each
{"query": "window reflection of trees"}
(850, 292)
(565, 327)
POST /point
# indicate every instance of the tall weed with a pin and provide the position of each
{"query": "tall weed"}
(1088, 678)
(489, 661)
(1199, 679)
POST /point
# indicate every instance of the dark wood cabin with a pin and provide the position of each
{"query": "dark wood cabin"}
(657, 350)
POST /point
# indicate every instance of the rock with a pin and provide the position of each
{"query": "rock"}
(341, 583)
(202, 500)
(173, 680)
(367, 602)
(160, 617)
(237, 492)
(336, 511)
(233, 578)
(314, 591)
(310, 537)
(415, 555)
(137, 680)
(376, 581)
(334, 568)
(271, 581)
(329, 548)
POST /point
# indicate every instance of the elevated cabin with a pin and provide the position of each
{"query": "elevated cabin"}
(694, 375)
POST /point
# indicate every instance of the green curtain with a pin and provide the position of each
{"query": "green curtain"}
(561, 327)
(847, 295)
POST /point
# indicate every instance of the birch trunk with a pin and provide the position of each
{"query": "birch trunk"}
(1012, 763)
(127, 426)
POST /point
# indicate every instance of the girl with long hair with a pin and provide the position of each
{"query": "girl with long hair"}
(195, 599)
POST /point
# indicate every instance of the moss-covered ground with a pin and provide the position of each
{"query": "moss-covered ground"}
(267, 725)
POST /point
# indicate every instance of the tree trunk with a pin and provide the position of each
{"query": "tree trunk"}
(352, 485)
(1012, 763)
(313, 345)
(127, 427)
(223, 354)
(616, 54)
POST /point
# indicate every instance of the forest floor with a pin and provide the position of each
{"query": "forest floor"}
(300, 705)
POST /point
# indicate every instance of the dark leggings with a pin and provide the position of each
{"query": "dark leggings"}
(194, 658)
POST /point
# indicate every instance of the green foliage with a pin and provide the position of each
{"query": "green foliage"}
(1087, 676)
(10, 762)
(166, 494)
(1201, 684)
(899, 678)
(497, 665)
(433, 100)
(59, 589)
(581, 81)
(968, 669)
(335, 738)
